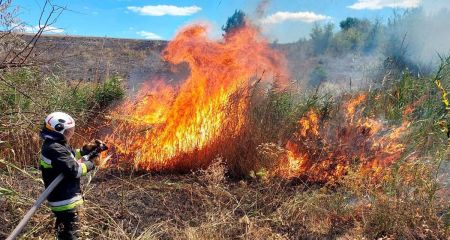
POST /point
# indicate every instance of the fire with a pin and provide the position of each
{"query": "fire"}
(323, 151)
(309, 124)
(164, 123)
(185, 126)
(353, 104)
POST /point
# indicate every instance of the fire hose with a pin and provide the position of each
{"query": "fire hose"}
(45, 194)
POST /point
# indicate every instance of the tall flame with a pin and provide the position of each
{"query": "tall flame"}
(165, 122)
(184, 126)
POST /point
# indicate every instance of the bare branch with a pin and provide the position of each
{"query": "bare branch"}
(48, 16)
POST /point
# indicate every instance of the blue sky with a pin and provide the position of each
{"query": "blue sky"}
(283, 20)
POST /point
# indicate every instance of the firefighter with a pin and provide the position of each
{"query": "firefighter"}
(57, 156)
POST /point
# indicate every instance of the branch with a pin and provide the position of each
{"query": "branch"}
(45, 20)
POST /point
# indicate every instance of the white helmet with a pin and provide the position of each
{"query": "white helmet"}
(59, 122)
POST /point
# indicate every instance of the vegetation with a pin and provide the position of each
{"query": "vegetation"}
(409, 200)
(234, 22)
(321, 38)
(34, 96)
(319, 75)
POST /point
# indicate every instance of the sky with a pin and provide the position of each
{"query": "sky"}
(281, 20)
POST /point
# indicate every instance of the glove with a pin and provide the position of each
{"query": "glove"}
(89, 160)
(91, 156)
(90, 165)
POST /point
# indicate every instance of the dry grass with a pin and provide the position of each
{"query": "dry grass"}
(208, 205)
(408, 202)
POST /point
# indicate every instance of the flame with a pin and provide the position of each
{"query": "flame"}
(325, 151)
(184, 126)
(164, 123)
(309, 123)
(353, 103)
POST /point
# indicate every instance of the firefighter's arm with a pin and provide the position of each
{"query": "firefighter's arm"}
(65, 162)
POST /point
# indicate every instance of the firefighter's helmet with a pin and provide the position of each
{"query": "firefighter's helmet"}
(59, 122)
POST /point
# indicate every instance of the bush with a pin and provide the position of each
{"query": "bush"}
(27, 96)
(109, 92)
(321, 38)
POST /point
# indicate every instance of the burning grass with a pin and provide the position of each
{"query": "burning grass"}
(179, 128)
(179, 121)
(267, 162)
(325, 148)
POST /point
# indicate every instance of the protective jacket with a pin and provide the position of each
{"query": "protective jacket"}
(58, 157)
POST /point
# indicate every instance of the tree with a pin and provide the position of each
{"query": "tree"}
(236, 21)
(355, 23)
(354, 35)
(373, 38)
(349, 23)
(321, 37)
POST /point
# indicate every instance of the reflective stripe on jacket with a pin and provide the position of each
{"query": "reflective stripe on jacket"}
(58, 157)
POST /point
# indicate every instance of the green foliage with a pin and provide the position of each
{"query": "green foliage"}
(442, 80)
(27, 96)
(109, 92)
(418, 102)
(355, 23)
(374, 38)
(10, 97)
(351, 40)
(348, 23)
(274, 112)
(236, 21)
(26, 90)
(281, 105)
(356, 35)
(321, 38)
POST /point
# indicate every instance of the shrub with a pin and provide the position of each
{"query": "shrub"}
(108, 92)
(27, 96)
(321, 38)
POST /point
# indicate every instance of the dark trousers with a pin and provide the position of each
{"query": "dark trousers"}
(66, 225)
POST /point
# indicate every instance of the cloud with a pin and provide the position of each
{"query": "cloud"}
(161, 10)
(149, 35)
(380, 4)
(308, 17)
(48, 29)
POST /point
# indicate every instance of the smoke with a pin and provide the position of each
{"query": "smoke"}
(261, 8)
(433, 6)
(425, 33)
(348, 59)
